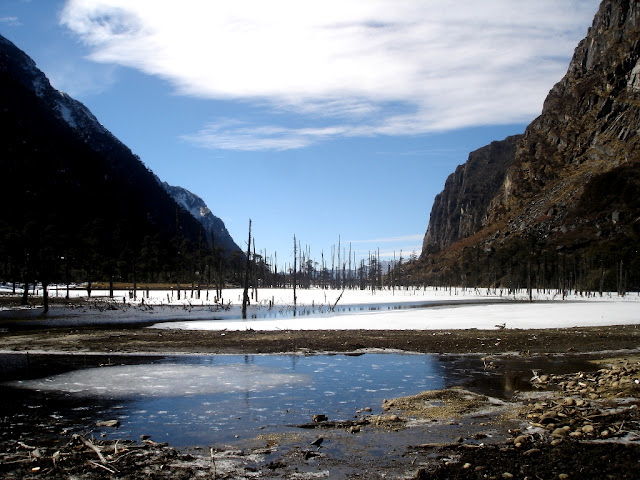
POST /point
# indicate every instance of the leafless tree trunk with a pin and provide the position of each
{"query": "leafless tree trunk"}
(45, 294)
(295, 267)
(135, 284)
(25, 293)
(255, 274)
(245, 296)
(601, 278)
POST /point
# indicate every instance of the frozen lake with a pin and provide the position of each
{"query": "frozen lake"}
(207, 400)
(408, 309)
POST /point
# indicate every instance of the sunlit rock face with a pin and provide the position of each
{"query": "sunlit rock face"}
(461, 208)
(573, 182)
(589, 129)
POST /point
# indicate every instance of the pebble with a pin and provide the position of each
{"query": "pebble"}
(561, 432)
(587, 429)
(568, 412)
(108, 423)
(532, 451)
(519, 441)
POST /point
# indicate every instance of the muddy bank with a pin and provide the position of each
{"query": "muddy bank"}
(136, 339)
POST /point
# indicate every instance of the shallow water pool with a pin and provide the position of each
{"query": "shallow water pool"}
(205, 400)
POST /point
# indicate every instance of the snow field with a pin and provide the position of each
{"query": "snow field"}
(401, 309)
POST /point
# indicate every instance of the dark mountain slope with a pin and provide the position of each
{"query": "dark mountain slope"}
(78, 202)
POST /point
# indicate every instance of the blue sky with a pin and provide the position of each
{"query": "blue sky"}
(340, 118)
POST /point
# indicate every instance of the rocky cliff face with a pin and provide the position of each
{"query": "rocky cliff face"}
(574, 182)
(461, 208)
(589, 126)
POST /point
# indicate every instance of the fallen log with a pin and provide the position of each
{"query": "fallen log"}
(333, 424)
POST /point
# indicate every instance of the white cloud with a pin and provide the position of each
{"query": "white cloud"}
(376, 67)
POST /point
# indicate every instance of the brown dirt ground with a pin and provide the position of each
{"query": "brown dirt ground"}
(138, 340)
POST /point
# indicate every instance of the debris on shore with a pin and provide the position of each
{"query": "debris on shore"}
(85, 457)
(579, 425)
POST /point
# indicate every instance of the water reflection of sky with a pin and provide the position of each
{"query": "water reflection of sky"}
(211, 399)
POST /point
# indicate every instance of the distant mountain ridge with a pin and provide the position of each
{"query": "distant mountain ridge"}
(572, 186)
(193, 204)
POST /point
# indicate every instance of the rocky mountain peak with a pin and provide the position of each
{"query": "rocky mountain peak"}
(589, 123)
(574, 181)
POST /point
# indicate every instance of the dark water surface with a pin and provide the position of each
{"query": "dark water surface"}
(204, 400)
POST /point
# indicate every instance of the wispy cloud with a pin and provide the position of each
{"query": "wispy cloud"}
(389, 247)
(379, 67)
(399, 239)
(77, 80)
(10, 21)
(237, 135)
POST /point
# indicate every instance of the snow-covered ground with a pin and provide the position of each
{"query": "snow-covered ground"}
(413, 309)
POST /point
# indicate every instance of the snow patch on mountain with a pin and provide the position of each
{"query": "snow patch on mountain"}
(79, 117)
(73, 112)
(67, 115)
(39, 86)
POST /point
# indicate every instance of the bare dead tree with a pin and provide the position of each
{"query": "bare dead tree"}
(350, 279)
(245, 296)
(255, 274)
(295, 267)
